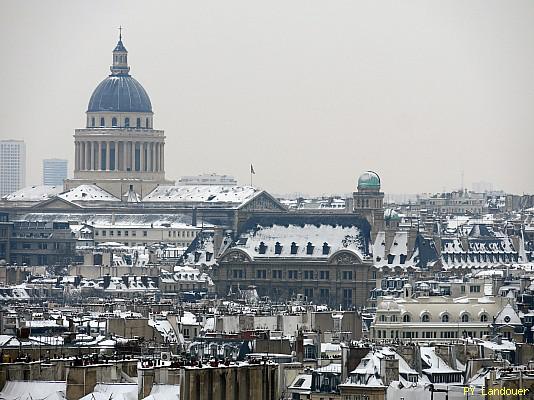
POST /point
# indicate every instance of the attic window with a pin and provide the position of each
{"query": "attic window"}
(277, 248)
(197, 256)
(391, 257)
(309, 248)
(403, 258)
(262, 248)
(294, 248)
(299, 382)
(208, 256)
(326, 248)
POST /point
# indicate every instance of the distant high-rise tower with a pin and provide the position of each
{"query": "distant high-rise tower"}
(12, 166)
(54, 171)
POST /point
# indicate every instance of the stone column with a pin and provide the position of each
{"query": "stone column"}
(142, 156)
(154, 157)
(87, 151)
(133, 156)
(148, 156)
(99, 156)
(157, 157)
(163, 157)
(77, 157)
(91, 155)
(108, 153)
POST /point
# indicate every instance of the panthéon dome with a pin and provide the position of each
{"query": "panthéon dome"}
(119, 92)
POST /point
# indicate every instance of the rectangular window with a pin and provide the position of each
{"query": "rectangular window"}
(110, 233)
(277, 274)
(324, 275)
(145, 233)
(119, 233)
(103, 233)
(126, 233)
(261, 274)
(134, 233)
(293, 274)
(347, 275)
(308, 292)
(324, 293)
(237, 273)
(308, 274)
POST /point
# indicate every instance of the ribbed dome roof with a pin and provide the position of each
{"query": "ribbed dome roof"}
(369, 180)
(119, 93)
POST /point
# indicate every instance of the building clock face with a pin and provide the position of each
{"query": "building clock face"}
(507, 319)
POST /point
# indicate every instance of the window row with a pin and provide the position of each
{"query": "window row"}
(426, 318)
(125, 123)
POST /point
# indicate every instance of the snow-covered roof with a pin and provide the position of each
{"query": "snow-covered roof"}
(34, 193)
(336, 237)
(115, 220)
(115, 391)
(164, 392)
(87, 193)
(202, 194)
(34, 390)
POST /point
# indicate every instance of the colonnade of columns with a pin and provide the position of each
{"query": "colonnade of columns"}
(109, 155)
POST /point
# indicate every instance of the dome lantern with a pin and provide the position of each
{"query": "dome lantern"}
(120, 58)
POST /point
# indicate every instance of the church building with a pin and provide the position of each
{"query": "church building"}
(119, 150)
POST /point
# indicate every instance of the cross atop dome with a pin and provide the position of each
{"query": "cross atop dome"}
(120, 58)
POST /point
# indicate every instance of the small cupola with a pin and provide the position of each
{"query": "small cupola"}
(120, 58)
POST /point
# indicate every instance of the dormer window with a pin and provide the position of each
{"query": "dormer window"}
(102, 122)
(114, 122)
(262, 248)
(277, 248)
(326, 248)
(294, 248)
(127, 122)
(309, 248)
(138, 123)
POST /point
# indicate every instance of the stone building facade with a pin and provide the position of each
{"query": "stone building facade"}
(322, 259)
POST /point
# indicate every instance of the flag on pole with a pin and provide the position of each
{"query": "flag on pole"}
(252, 170)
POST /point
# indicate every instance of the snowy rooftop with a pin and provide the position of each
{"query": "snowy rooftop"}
(336, 238)
(100, 220)
(88, 193)
(201, 194)
(34, 193)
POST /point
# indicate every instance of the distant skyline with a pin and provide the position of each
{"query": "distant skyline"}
(312, 93)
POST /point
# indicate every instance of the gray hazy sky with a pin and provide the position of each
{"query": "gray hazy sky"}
(312, 92)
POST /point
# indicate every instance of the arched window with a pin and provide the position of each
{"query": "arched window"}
(406, 318)
(445, 318)
(425, 318)
(465, 318)
(92, 121)
(102, 122)
(114, 122)
(127, 122)
(146, 124)
(138, 125)
(393, 318)
(483, 318)
(382, 318)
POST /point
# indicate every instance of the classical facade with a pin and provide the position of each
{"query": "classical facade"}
(325, 259)
(119, 149)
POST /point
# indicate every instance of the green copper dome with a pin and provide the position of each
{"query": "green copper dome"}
(369, 180)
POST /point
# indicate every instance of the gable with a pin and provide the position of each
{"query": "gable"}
(262, 202)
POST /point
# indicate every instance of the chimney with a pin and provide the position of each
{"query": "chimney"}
(389, 368)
